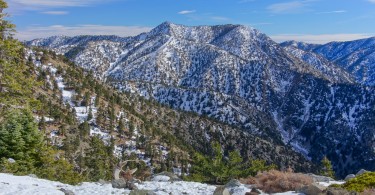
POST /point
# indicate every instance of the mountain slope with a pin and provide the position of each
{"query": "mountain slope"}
(239, 76)
(356, 57)
(134, 127)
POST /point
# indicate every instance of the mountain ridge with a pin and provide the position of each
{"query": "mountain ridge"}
(356, 57)
(239, 76)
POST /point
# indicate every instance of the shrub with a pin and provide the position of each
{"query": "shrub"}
(219, 170)
(361, 182)
(276, 181)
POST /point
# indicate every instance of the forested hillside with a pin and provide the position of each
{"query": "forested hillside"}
(61, 123)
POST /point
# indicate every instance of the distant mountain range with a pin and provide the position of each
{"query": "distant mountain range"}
(319, 99)
(356, 57)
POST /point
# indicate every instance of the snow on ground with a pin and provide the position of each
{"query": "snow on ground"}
(82, 113)
(330, 183)
(26, 185)
(161, 178)
(177, 187)
(102, 135)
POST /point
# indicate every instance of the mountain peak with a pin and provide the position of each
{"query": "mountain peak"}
(163, 28)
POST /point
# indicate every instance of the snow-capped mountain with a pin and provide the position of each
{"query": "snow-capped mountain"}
(239, 76)
(357, 57)
(320, 63)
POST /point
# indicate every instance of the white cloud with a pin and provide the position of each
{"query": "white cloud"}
(320, 39)
(371, 1)
(47, 31)
(17, 6)
(55, 12)
(288, 7)
(186, 12)
(333, 12)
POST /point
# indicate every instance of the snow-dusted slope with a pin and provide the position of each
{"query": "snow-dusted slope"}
(241, 77)
(322, 64)
(357, 57)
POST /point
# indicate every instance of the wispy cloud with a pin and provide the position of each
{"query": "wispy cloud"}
(47, 31)
(371, 1)
(333, 12)
(320, 39)
(55, 12)
(183, 12)
(17, 6)
(288, 7)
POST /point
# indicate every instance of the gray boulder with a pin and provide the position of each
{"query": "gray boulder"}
(102, 182)
(312, 189)
(32, 175)
(119, 183)
(228, 188)
(350, 176)
(319, 178)
(163, 176)
(360, 172)
(253, 191)
(233, 183)
(221, 190)
(11, 160)
(131, 185)
(67, 192)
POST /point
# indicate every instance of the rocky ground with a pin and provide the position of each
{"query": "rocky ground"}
(163, 184)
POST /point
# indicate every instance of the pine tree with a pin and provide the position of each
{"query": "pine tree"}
(42, 124)
(89, 116)
(219, 170)
(327, 168)
(84, 129)
(234, 165)
(121, 125)
(20, 139)
(97, 161)
(16, 82)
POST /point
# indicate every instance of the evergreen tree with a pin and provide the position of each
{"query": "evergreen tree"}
(15, 80)
(235, 165)
(219, 169)
(84, 129)
(19, 136)
(121, 125)
(327, 168)
(42, 124)
(21, 140)
(97, 161)
(89, 116)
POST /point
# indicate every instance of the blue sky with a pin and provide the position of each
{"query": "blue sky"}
(316, 21)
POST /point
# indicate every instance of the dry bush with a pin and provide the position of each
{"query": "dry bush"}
(276, 181)
(126, 175)
(368, 192)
